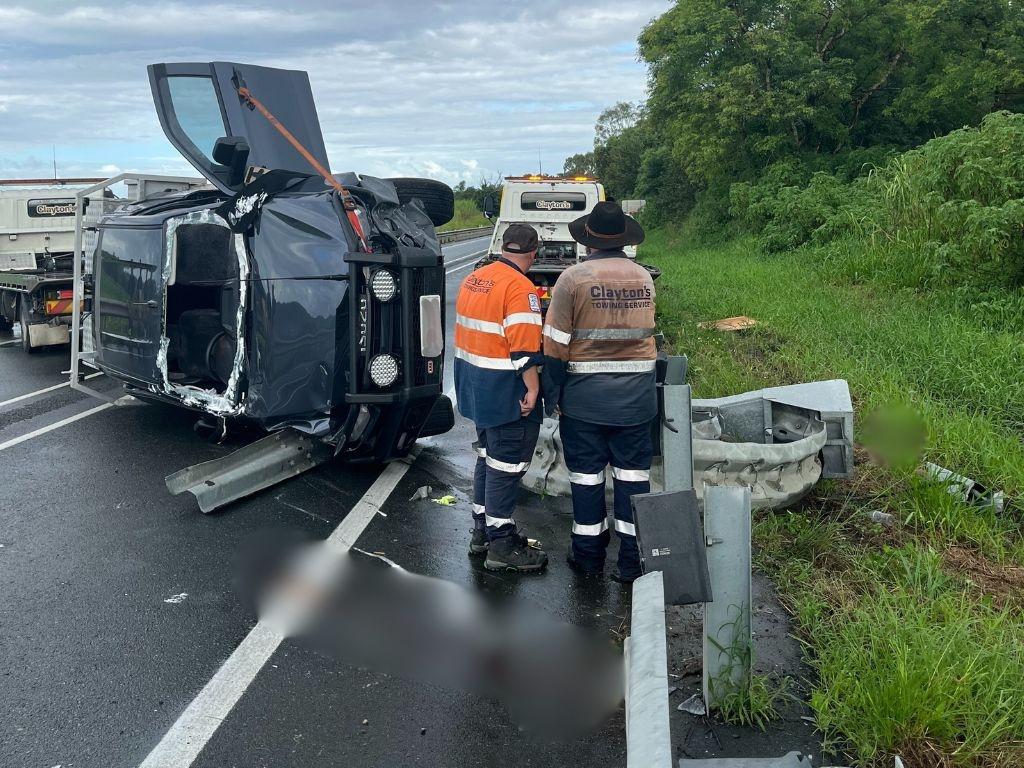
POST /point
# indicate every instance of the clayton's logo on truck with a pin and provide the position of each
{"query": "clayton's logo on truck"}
(553, 201)
(46, 209)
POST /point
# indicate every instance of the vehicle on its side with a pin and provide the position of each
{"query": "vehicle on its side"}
(37, 234)
(548, 204)
(280, 295)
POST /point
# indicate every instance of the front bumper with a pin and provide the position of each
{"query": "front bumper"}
(384, 422)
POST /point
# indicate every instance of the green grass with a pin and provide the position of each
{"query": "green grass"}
(912, 657)
(466, 215)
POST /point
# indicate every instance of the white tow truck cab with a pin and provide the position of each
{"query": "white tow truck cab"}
(548, 204)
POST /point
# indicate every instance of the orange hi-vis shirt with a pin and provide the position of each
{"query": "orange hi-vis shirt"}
(497, 336)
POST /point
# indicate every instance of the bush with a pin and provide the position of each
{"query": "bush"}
(947, 215)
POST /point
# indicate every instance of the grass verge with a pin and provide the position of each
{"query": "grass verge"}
(916, 632)
(466, 215)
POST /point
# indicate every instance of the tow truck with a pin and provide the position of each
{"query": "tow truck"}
(37, 232)
(548, 204)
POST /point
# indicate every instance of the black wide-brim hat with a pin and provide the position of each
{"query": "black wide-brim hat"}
(606, 228)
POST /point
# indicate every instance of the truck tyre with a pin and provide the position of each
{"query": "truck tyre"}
(23, 318)
(8, 309)
(437, 197)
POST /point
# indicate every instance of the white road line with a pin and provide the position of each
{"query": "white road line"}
(462, 264)
(182, 744)
(43, 391)
(8, 343)
(51, 427)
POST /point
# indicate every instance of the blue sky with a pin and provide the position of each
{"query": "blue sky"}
(452, 90)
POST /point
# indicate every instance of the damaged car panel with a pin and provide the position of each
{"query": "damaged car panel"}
(283, 298)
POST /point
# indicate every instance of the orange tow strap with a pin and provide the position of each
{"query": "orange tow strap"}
(346, 198)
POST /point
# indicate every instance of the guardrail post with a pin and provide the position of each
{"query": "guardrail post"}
(728, 644)
(676, 437)
(648, 740)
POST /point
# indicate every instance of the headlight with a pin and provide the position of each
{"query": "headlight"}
(383, 370)
(384, 285)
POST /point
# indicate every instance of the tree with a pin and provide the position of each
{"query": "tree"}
(580, 164)
(736, 85)
(616, 119)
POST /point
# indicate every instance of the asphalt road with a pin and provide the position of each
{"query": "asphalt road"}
(119, 602)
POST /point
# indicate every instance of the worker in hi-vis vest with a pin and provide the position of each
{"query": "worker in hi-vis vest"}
(497, 383)
(599, 371)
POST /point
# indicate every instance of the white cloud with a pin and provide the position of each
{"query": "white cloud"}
(457, 90)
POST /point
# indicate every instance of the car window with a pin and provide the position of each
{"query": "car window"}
(197, 110)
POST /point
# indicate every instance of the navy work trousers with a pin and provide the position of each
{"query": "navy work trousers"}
(589, 449)
(503, 456)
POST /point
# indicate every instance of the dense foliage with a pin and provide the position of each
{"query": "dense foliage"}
(739, 88)
(948, 215)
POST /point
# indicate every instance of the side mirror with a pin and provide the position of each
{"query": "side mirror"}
(232, 152)
(490, 208)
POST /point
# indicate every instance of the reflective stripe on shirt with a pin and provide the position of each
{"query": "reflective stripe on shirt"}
(484, 326)
(610, 366)
(560, 337)
(493, 363)
(523, 318)
(613, 334)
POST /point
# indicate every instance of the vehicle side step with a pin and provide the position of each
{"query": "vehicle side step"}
(266, 462)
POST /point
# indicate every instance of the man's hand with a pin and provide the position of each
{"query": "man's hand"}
(531, 378)
(528, 403)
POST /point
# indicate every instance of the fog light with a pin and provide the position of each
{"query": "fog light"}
(384, 285)
(383, 370)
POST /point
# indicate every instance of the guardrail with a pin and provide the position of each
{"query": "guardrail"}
(458, 235)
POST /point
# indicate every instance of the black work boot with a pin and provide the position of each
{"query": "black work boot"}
(478, 541)
(577, 566)
(514, 553)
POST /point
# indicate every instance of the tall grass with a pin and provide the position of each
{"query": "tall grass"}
(912, 658)
(947, 216)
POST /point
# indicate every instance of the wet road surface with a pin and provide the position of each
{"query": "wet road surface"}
(118, 601)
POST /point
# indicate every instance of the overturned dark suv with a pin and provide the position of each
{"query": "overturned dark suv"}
(281, 295)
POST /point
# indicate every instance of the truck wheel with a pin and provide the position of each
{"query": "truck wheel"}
(8, 309)
(23, 318)
(437, 197)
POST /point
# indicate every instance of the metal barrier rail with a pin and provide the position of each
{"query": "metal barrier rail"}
(458, 235)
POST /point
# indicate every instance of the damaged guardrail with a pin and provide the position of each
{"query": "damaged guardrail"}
(689, 557)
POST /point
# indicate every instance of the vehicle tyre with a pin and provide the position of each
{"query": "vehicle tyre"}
(437, 198)
(8, 309)
(23, 318)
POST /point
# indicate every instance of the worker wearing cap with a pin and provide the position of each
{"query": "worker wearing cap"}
(600, 370)
(497, 382)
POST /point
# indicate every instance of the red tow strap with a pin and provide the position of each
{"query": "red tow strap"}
(346, 198)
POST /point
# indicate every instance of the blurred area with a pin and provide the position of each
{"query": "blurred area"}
(895, 436)
(556, 680)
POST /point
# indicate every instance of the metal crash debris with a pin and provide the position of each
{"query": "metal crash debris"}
(778, 442)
